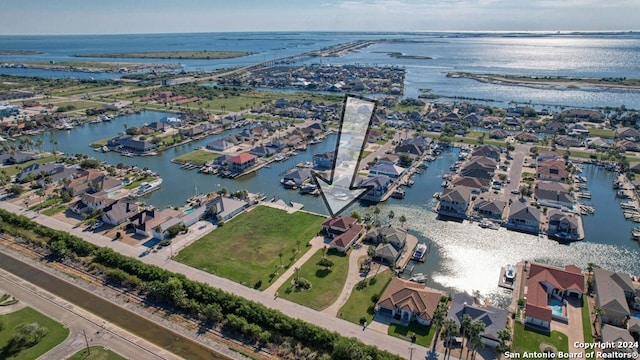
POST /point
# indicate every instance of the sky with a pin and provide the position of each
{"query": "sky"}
(179, 16)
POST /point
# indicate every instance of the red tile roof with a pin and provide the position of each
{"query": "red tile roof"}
(347, 238)
(569, 278)
(242, 158)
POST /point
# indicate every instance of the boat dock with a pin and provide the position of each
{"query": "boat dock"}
(407, 253)
(502, 280)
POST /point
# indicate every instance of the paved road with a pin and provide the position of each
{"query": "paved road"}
(382, 341)
(78, 320)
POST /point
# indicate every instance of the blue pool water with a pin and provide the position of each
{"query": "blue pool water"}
(187, 211)
(637, 315)
(556, 307)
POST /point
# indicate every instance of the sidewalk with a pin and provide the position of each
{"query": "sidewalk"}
(316, 244)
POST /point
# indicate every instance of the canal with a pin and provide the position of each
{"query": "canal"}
(124, 318)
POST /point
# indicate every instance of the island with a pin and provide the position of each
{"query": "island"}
(200, 54)
(564, 81)
(399, 55)
(19, 52)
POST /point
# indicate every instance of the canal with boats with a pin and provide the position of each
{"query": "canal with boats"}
(461, 256)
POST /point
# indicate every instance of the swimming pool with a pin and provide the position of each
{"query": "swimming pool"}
(189, 210)
(556, 307)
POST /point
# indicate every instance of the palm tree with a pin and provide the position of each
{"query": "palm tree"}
(450, 329)
(402, 220)
(504, 336)
(475, 329)
(54, 142)
(391, 215)
(437, 319)
(376, 212)
(465, 323)
(597, 313)
(39, 144)
(280, 255)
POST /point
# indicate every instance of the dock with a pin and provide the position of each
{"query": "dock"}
(502, 281)
(407, 253)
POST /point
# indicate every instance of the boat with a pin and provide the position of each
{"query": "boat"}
(148, 187)
(420, 252)
(105, 148)
(290, 184)
(622, 194)
(628, 205)
(398, 194)
(308, 188)
(306, 164)
(510, 273)
(419, 278)
(66, 125)
(127, 154)
(96, 120)
(279, 157)
(635, 232)
(486, 224)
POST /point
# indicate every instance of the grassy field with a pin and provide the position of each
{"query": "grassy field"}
(12, 170)
(246, 248)
(55, 209)
(56, 334)
(529, 341)
(78, 105)
(424, 335)
(326, 285)
(204, 54)
(359, 303)
(603, 133)
(139, 182)
(45, 204)
(196, 157)
(96, 353)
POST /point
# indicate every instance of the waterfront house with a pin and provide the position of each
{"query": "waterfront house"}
(144, 222)
(490, 151)
(20, 157)
(192, 131)
(379, 186)
(454, 202)
(492, 209)
(337, 225)
(224, 208)
(263, 151)
(476, 184)
(297, 176)
(552, 170)
(119, 212)
(388, 234)
(323, 160)
(498, 134)
(345, 240)
(388, 168)
(554, 127)
(563, 225)
(549, 285)
(597, 142)
(526, 137)
(494, 319)
(627, 133)
(97, 201)
(138, 146)
(622, 343)
(171, 120)
(554, 194)
(577, 130)
(614, 291)
(523, 217)
(568, 141)
(80, 183)
(407, 301)
(473, 118)
(219, 145)
(386, 253)
(36, 171)
(435, 126)
(548, 154)
(409, 149)
(241, 163)
(582, 115)
(628, 145)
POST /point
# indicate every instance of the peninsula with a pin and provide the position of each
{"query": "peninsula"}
(566, 81)
(201, 54)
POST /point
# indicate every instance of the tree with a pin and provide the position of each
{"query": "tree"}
(356, 215)
(41, 194)
(326, 263)
(391, 215)
(437, 319)
(376, 212)
(15, 190)
(402, 220)
(504, 336)
(597, 314)
(465, 323)
(449, 329)
(54, 142)
(280, 255)
(475, 330)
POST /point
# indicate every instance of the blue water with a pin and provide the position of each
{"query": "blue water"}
(593, 55)
(556, 307)
(189, 210)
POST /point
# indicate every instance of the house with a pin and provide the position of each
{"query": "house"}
(119, 212)
(171, 120)
(35, 171)
(554, 194)
(547, 285)
(407, 301)
(494, 319)
(613, 292)
(335, 226)
(389, 234)
(146, 221)
(578, 130)
(627, 133)
(567, 141)
(323, 160)
(563, 226)
(20, 157)
(490, 151)
(454, 202)
(498, 134)
(297, 176)
(96, 201)
(628, 145)
(379, 186)
(263, 151)
(410, 149)
(492, 209)
(138, 146)
(344, 241)
(388, 168)
(219, 145)
(622, 342)
(224, 208)
(552, 170)
(387, 253)
(523, 217)
(241, 163)
(554, 127)
(476, 184)
(473, 118)
(526, 137)
(597, 142)
(548, 154)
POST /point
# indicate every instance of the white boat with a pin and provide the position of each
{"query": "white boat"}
(66, 125)
(105, 148)
(636, 232)
(279, 157)
(510, 273)
(146, 188)
(420, 252)
(419, 278)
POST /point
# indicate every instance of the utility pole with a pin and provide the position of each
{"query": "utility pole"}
(87, 342)
(411, 350)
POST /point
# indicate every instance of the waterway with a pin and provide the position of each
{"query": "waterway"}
(119, 316)
(462, 256)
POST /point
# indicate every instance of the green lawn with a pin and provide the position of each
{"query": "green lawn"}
(56, 334)
(246, 248)
(326, 285)
(196, 157)
(54, 210)
(45, 204)
(603, 133)
(586, 322)
(525, 340)
(101, 143)
(138, 182)
(359, 303)
(12, 170)
(96, 353)
(424, 335)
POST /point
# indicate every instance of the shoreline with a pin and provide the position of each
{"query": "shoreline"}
(549, 82)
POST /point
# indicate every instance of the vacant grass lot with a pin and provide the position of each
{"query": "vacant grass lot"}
(326, 285)
(12, 170)
(603, 133)
(196, 157)
(97, 353)
(246, 248)
(360, 303)
(525, 340)
(56, 334)
(424, 335)
(55, 209)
